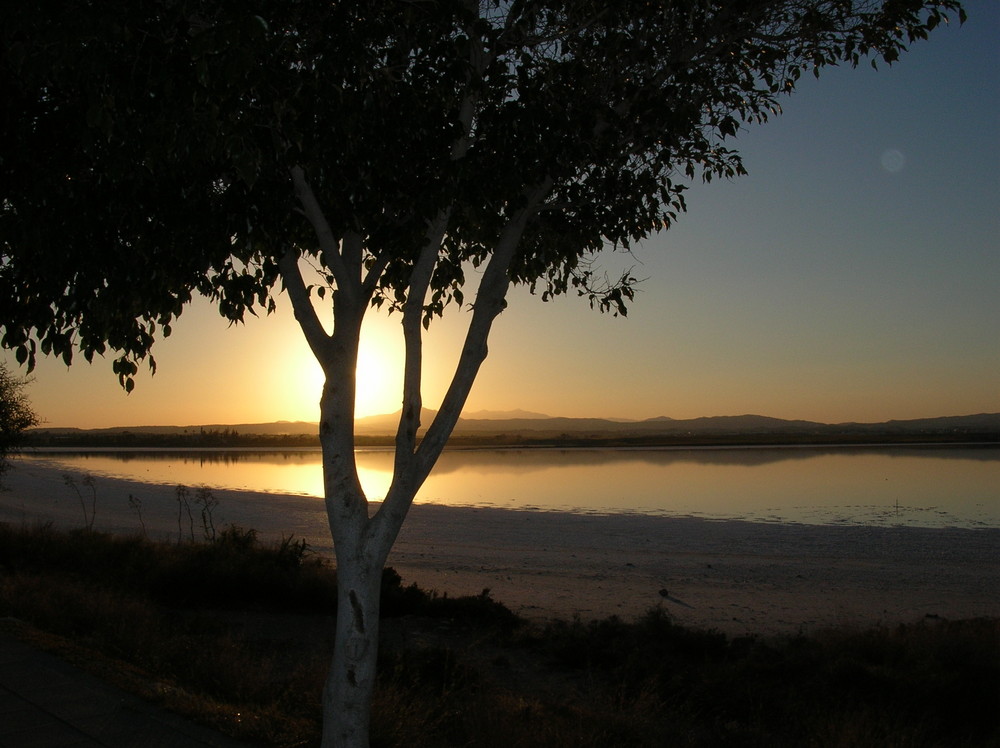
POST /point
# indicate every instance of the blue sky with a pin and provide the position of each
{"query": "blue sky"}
(853, 275)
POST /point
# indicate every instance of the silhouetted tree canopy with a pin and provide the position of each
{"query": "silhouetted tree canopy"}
(149, 147)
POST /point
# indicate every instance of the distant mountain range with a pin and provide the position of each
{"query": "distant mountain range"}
(538, 425)
(518, 422)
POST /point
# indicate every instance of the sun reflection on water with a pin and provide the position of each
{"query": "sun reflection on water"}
(921, 487)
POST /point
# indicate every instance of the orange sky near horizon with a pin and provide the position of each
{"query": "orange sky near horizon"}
(263, 372)
(851, 277)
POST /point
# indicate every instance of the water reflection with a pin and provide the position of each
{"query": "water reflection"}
(927, 486)
(520, 460)
(190, 456)
(524, 460)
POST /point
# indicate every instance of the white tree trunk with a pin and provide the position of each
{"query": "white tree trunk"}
(360, 553)
(350, 684)
(362, 543)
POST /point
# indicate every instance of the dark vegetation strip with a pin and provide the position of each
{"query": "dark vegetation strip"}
(238, 634)
(230, 438)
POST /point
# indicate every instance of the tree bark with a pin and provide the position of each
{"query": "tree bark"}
(360, 556)
(350, 685)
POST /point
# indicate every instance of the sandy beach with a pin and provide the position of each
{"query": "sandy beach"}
(736, 577)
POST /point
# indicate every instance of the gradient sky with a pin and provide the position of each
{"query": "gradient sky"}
(853, 276)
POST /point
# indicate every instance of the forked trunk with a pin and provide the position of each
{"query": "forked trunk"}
(362, 543)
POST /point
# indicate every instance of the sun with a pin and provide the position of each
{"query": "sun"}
(377, 388)
(299, 379)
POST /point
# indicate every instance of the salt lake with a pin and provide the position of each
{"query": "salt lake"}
(919, 486)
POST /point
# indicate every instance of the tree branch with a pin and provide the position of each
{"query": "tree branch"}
(327, 240)
(370, 282)
(305, 313)
(490, 301)
(352, 249)
(413, 312)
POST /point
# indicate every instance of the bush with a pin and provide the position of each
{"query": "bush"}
(16, 415)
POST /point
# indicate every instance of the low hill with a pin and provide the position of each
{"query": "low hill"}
(520, 427)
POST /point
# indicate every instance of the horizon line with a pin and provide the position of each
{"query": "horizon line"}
(512, 417)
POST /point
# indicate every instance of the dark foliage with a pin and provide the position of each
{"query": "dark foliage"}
(16, 415)
(149, 146)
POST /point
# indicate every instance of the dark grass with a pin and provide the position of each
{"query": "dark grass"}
(238, 634)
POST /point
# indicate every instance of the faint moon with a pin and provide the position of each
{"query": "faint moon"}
(893, 160)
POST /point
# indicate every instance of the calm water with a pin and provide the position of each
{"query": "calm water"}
(915, 486)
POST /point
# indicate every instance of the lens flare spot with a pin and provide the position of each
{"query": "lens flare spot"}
(893, 160)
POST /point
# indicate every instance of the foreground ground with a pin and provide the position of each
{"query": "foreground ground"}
(236, 633)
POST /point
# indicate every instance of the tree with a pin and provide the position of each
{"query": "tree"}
(160, 149)
(16, 415)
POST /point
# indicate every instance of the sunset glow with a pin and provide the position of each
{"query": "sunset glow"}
(850, 277)
(379, 379)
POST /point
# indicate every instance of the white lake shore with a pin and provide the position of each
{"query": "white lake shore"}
(734, 576)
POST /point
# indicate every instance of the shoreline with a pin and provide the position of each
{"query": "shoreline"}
(734, 576)
(575, 445)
